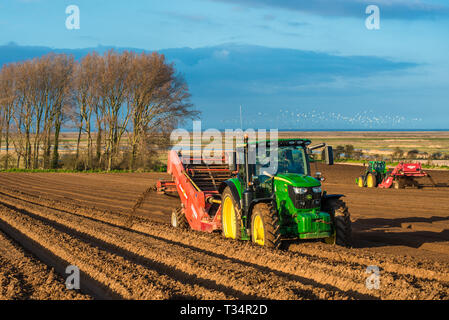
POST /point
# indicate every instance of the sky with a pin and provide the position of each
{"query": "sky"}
(290, 64)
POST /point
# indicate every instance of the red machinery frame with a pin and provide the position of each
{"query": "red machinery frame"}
(200, 202)
(407, 171)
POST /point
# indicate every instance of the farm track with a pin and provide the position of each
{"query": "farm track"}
(81, 220)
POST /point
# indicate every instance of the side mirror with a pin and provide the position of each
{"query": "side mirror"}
(232, 161)
(329, 154)
(319, 176)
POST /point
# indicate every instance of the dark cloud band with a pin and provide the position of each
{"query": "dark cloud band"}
(391, 9)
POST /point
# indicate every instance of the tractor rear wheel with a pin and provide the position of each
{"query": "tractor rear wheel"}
(178, 219)
(265, 226)
(371, 181)
(342, 224)
(230, 217)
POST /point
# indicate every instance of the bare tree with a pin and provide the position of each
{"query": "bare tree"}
(158, 98)
(137, 94)
(24, 109)
(113, 95)
(7, 100)
(86, 92)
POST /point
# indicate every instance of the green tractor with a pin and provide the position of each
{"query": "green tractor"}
(271, 208)
(374, 174)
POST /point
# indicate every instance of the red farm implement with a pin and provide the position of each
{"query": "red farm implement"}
(197, 182)
(404, 175)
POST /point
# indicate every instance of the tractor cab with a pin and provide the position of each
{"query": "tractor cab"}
(267, 159)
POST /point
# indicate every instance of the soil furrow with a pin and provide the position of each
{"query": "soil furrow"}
(90, 286)
(108, 201)
(91, 210)
(123, 278)
(269, 284)
(22, 276)
(334, 264)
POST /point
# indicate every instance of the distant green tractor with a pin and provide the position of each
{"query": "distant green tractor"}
(374, 174)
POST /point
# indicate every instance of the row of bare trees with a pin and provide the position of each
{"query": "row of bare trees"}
(107, 98)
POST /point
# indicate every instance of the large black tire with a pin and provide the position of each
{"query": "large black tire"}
(270, 220)
(227, 230)
(178, 219)
(342, 223)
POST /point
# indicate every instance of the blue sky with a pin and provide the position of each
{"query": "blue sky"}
(291, 64)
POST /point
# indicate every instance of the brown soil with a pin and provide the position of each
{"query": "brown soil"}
(413, 222)
(24, 277)
(83, 220)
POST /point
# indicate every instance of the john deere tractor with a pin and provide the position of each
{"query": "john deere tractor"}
(270, 205)
(374, 174)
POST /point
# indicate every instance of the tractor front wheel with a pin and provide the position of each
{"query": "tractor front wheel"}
(361, 181)
(230, 219)
(342, 224)
(265, 226)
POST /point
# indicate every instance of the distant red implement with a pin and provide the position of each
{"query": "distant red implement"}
(403, 175)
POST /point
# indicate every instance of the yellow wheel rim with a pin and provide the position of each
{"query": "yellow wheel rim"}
(258, 231)
(229, 226)
(370, 181)
(360, 182)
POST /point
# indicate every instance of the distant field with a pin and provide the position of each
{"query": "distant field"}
(370, 141)
(380, 142)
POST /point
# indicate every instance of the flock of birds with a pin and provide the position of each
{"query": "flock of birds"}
(314, 119)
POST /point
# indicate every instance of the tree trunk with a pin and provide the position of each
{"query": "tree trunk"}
(78, 146)
(36, 146)
(7, 147)
(47, 148)
(98, 144)
(133, 156)
(55, 159)
(89, 145)
(27, 158)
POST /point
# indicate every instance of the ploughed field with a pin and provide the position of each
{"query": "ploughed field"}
(49, 221)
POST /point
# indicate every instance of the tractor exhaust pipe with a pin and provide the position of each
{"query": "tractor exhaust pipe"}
(248, 194)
